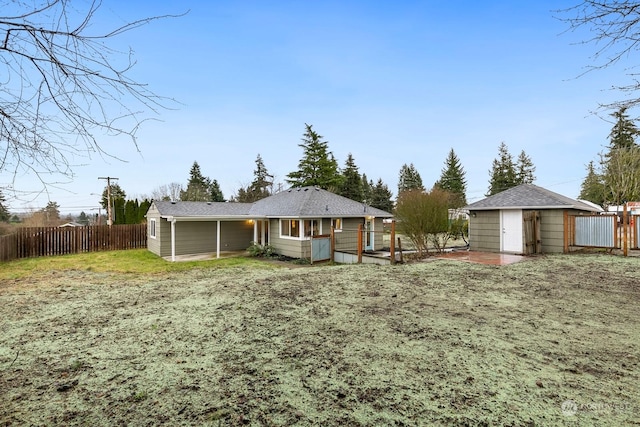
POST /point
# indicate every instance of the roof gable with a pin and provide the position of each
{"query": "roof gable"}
(529, 196)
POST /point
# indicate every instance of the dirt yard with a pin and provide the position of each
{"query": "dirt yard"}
(548, 341)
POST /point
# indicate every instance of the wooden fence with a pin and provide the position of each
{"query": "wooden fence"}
(29, 242)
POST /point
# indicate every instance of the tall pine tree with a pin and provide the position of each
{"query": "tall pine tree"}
(503, 172)
(453, 181)
(409, 179)
(317, 167)
(198, 186)
(525, 169)
(351, 180)
(381, 197)
(624, 132)
(592, 188)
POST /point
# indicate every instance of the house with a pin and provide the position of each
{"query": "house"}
(285, 220)
(526, 219)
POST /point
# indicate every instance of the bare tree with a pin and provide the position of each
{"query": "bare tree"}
(614, 26)
(62, 87)
(167, 192)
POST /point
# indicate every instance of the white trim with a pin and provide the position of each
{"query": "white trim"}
(173, 240)
(218, 239)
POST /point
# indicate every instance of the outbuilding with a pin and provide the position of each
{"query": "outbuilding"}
(525, 219)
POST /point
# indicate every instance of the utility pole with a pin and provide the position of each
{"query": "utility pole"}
(108, 178)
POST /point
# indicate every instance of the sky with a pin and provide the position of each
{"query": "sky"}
(392, 83)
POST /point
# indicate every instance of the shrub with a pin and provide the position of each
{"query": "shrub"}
(262, 251)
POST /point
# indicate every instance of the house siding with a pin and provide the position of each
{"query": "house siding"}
(235, 235)
(194, 238)
(283, 246)
(484, 231)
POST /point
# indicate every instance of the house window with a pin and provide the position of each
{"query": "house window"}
(289, 228)
(336, 223)
(311, 227)
(297, 229)
(152, 228)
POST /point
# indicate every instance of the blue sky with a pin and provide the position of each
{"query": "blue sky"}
(390, 82)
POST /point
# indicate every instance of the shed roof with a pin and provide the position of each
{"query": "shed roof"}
(529, 196)
(304, 202)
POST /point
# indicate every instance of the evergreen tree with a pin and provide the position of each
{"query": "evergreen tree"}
(525, 169)
(142, 210)
(503, 172)
(624, 132)
(367, 190)
(351, 180)
(318, 166)
(453, 181)
(381, 197)
(51, 214)
(83, 218)
(131, 212)
(118, 211)
(592, 188)
(215, 193)
(4, 211)
(259, 187)
(262, 181)
(116, 193)
(198, 187)
(409, 179)
(621, 163)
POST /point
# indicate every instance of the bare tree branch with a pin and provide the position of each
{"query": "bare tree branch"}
(615, 29)
(61, 90)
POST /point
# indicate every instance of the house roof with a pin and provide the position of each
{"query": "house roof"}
(304, 202)
(203, 209)
(529, 196)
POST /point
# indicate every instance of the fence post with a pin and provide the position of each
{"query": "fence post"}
(392, 244)
(625, 229)
(565, 227)
(333, 244)
(359, 243)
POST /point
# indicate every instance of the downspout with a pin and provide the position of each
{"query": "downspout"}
(173, 239)
(218, 239)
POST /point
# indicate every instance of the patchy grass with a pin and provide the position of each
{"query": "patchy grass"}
(432, 343)
(135, 261)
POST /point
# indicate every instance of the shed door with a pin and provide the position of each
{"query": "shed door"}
(511, 225)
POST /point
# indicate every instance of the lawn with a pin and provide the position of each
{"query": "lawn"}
(553, 340)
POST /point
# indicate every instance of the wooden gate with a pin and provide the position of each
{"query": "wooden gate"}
(320, 248)
(532, 240)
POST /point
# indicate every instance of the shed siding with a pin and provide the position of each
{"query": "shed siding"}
(154, 244)
(552, 230)
(484, 231)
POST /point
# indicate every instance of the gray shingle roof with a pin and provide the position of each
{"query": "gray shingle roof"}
(529, 196)
(202, 209)
(305, 202)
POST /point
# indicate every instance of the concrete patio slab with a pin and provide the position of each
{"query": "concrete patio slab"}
(488, 258)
